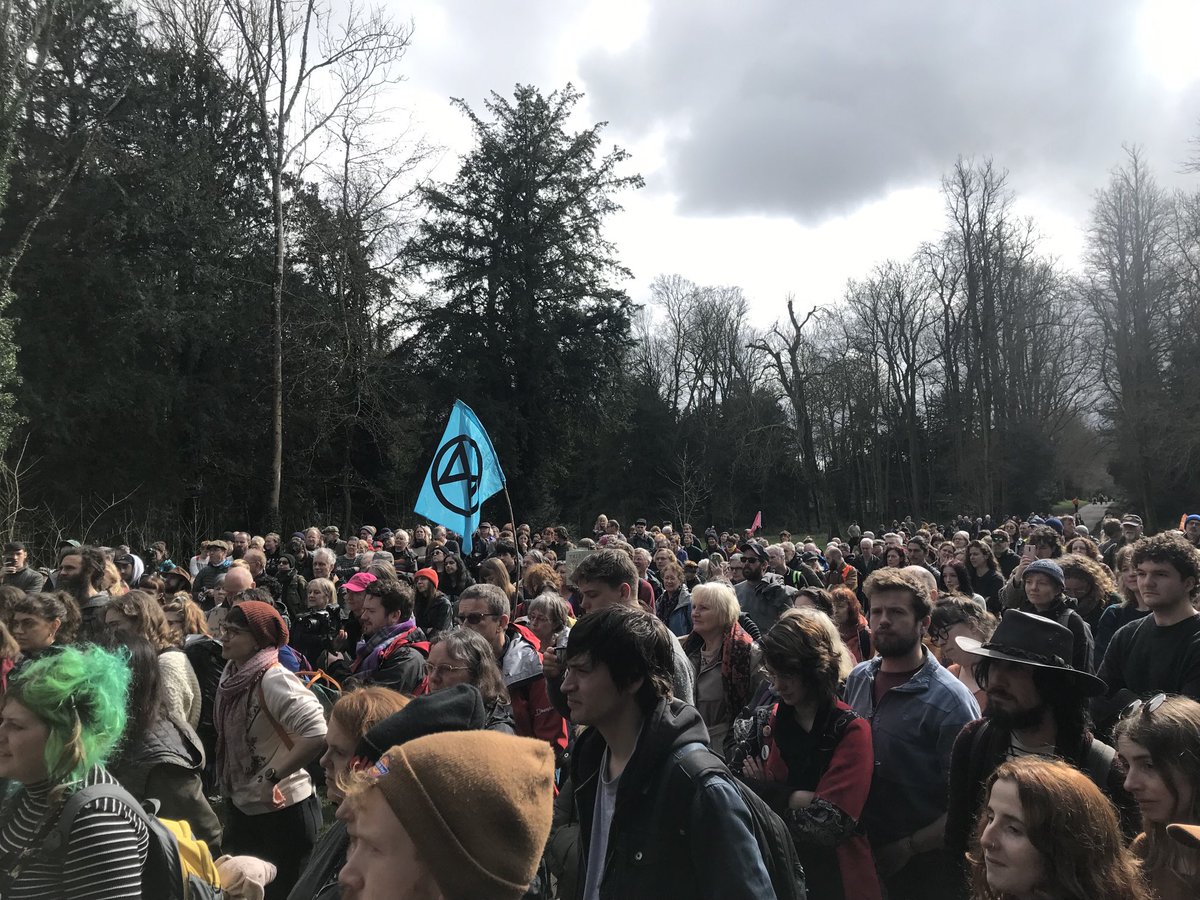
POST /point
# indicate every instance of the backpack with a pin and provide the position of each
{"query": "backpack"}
(770, 832)
(178, 865)
(326, 688)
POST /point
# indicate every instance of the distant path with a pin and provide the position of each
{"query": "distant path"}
(1091, 515)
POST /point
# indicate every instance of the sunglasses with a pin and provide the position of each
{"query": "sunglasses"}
(1144, 706)
(475, 618)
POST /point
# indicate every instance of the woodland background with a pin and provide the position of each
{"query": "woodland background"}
(232, 299)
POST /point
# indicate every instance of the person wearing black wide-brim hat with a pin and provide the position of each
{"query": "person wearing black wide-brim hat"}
(1037, 706)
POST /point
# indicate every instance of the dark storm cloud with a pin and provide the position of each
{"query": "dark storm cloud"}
(811, 109)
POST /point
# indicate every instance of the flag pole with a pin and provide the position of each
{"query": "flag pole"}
(511, 517)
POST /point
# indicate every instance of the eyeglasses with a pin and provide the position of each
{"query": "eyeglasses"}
(231, 630)
(443, 669)
(1144, 706)
(475, 618)
(773, 678)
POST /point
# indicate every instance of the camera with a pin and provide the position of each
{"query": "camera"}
(317, 627)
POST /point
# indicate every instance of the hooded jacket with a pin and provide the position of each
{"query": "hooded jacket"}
(720, 856)
(532, 712)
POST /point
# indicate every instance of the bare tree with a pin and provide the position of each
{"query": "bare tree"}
(1131, 292)
(306, 66)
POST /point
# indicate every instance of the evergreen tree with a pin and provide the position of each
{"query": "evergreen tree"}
(527, 323)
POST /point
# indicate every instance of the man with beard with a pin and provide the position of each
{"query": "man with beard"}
(762, 599)
(241, 543)
(432, 609)
(1036, 706)
(80, 574)
(916, 709)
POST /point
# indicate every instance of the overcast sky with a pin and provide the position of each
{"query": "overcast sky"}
(789, 146)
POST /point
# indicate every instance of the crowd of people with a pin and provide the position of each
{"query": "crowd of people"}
(979, 710)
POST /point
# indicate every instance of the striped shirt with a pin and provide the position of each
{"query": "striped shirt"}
(103, 858)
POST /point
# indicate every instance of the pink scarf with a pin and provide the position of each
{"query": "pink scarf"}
(229, 711)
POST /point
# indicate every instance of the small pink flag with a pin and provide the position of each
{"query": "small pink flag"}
(757, 523)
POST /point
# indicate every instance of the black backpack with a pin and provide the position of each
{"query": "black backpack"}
(165, 876)
(770, 832)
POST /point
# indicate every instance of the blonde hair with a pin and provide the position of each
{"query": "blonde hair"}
(326, 587)
(721, 597)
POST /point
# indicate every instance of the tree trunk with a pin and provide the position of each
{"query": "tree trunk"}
(274, 518)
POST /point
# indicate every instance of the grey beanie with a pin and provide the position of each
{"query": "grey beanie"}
(1047, 567)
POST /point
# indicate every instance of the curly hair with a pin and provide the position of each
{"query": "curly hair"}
(1074, 827)
(79, 693)
(59, 605)
(988, 553)
(9, 648)
(1076, 565)
(146, 615)
(1084, 547)
(541, 578)
(1045, 536)
(951, 611)
(1173, 550)
(194, 621)
(799, 646)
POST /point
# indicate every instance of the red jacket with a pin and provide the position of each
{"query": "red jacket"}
(533, 713)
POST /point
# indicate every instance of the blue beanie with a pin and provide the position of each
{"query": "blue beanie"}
(1192, 517)
(1056, 524)
(1047, 567)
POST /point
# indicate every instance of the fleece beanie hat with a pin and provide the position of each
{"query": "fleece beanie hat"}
(265, 623)
(431, 574)
(458, 708)
(1046, 567)
(477, 805)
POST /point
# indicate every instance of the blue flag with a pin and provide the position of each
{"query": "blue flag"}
(464, 473)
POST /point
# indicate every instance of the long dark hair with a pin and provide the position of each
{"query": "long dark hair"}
(145, 698)
(1061, 693)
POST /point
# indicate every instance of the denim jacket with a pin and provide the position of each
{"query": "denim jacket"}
(913, 731)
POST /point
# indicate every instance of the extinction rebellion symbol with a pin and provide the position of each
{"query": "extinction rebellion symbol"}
(458, 460)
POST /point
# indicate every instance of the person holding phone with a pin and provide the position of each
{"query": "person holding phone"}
(16, 571)
(1043, 543)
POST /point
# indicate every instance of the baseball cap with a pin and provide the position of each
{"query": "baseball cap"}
(1132, 520)
(758, 551)
(360, 582)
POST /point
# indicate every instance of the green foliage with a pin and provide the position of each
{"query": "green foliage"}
(526, 322)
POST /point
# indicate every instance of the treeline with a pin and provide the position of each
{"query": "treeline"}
(232, 301)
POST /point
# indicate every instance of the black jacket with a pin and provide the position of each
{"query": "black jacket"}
(165, 765)
(434, 616)
(719, 857)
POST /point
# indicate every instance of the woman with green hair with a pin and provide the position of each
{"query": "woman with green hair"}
(60, 720)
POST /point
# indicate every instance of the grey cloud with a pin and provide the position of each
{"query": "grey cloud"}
(810, 110)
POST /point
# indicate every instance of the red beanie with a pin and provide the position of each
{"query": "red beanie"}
(431, 574)
(265, 623)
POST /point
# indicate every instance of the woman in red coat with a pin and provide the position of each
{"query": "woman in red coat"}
(809, 756)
